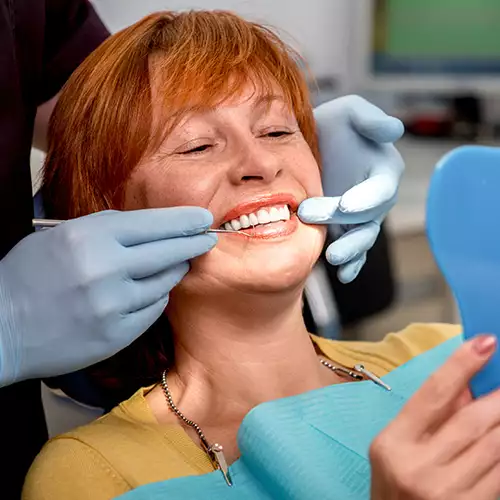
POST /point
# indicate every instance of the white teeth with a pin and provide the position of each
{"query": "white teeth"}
(263, 216)
(244, 221)
(252, 218)
(235, 223)
(274, 214)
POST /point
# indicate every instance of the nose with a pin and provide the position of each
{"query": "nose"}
(256, 163)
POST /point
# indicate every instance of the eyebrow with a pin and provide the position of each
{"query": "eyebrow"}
(267, 100)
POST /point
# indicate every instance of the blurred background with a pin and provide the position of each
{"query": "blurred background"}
(433, 63)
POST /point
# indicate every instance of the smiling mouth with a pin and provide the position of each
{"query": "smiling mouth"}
(261, 217)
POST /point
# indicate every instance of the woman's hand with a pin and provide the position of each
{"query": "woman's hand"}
(443, 444)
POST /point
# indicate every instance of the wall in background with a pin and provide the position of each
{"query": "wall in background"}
(319, 29)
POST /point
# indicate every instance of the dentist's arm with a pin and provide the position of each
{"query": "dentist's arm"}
(76, 294)
(361, 175)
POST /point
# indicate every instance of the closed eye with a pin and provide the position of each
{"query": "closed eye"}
(198, 149)
(276, 134)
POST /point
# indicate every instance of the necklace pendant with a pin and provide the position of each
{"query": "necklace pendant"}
(216, 453)
(372, 376)
(347, 372)
(340, 370)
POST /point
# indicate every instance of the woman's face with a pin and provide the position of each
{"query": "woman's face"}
(247, 162)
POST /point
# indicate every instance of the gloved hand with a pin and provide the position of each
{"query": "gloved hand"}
(361, 173)
(80, 292)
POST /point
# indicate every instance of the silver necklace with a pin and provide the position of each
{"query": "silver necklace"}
(215, 452)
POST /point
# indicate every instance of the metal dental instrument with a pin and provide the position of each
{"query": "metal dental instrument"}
(48, 223)
(227, 231)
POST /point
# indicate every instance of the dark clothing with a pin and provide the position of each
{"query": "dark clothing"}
(41, 43)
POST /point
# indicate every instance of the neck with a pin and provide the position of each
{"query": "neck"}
(235, 354)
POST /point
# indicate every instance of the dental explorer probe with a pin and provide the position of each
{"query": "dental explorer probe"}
(48, 223)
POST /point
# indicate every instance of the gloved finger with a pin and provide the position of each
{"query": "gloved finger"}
(319, 210)
(148, 291)
(352, 244)
(372, 123)
(378, 192)
(143, 226)
(152, 258)
(326, 210)
(349, 272)
(135, 324)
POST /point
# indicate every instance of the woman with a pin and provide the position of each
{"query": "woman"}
(204, 109)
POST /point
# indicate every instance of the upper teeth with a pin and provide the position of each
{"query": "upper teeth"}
(262, 216)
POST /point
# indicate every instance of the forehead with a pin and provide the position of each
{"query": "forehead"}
(250, 102)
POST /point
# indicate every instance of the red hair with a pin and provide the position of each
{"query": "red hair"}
(103, 124)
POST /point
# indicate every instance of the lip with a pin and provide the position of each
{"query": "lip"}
(249, 206)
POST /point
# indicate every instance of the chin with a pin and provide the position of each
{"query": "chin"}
(264, 265)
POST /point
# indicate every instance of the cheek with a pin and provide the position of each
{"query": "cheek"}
(312, 184)
(306, 171)
(154, 188)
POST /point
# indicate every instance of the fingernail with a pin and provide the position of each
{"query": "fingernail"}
(485, 344)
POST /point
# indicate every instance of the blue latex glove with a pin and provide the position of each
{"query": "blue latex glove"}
(361, 173)
(76, 294)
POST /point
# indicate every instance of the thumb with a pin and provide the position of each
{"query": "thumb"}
(328, 210)
(320, 210)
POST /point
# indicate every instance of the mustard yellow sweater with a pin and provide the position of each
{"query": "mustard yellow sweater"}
(128, 448)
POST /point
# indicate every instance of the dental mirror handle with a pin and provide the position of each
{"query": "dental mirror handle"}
(463, 226)
(48, 223)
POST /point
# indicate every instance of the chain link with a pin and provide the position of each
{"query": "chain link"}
(180, 415)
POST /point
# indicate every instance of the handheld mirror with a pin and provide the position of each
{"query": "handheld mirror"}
(463, 226)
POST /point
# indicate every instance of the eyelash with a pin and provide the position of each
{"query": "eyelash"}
(197, 150)
(275, 135)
